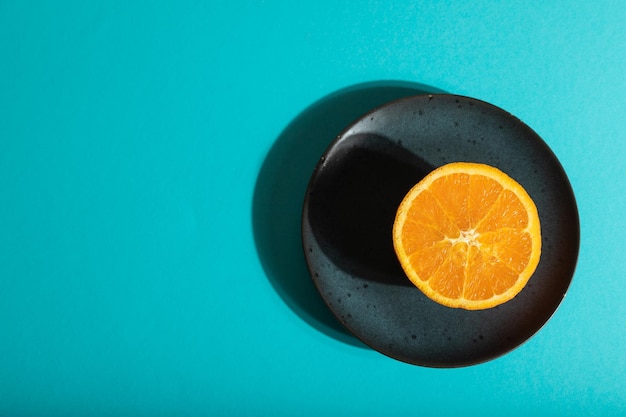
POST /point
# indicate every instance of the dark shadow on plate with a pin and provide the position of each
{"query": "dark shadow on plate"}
(354, 203)
(281, 187)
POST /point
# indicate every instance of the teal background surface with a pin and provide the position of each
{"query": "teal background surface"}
(132, 139)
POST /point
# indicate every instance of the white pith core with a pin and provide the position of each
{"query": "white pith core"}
(467, 236)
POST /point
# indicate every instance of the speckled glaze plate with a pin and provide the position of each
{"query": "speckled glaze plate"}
(350, 207)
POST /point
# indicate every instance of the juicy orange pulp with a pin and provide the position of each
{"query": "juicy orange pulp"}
(468, 236)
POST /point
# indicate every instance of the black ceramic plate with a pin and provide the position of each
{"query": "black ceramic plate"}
(350, 207)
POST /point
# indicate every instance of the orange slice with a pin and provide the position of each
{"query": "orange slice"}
(468, 236)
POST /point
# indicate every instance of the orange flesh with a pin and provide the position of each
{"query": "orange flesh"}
(467, 239)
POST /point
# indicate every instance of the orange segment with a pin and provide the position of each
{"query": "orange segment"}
(468, 236)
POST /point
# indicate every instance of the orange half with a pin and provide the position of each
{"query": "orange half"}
(468, 236)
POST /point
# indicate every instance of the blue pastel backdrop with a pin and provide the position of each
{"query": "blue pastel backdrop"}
(132, 138)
